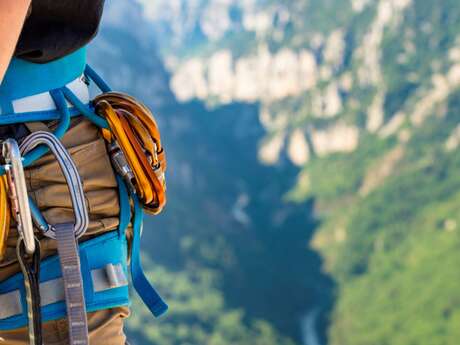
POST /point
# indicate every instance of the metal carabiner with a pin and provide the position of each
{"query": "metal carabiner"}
(71, 176)
(66, 235)
(121, 165)
(18, 193)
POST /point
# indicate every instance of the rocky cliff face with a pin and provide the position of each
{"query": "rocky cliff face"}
(279, 60)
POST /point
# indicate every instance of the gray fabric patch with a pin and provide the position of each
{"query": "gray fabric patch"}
(52, 291)
(10, 304)
(109, 277)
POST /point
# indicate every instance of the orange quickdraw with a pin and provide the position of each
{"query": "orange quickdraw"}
(134, 131)
(5, 215)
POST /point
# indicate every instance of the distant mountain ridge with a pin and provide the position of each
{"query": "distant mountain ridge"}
(361, 97)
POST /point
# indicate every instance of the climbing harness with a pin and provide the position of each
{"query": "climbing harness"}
(92, 275)
(134, 134)
(66, 235)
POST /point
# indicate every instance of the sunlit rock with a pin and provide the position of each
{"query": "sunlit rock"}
(335, 48)
(393, 125)
(346, 82)
(439, 92)
(450, 225)
(389, 13)
(298, 150)
(454, 54)
(247, 86)
(189, 81)
(337, 138)
(327, 103)
(215, 21)
(273, 121)
(359, 5)
(375, 113)
(271, 148)
(283, 78)
(308, 72)
(325, 73)
(453, 142)
(383, 169)
(453, 76)
(258, 22)
(221, 76)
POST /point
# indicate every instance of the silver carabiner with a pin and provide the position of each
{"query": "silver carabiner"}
(18, 193)
(71, 176)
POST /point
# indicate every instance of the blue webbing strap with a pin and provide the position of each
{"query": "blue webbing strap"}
(24, 78)
(147, 293)
(61, 129)
(6, 107)
(125, 207)
(84, 109)
(101, 84)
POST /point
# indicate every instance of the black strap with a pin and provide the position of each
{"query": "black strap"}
(30, 267)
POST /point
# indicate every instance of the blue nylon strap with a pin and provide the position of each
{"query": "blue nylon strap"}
(6, 107)
(37, 216)
(125, 207)
(94, 254)
(34, 116)
(146, 291)
(101, 84)
(84, 109)
(61, 129)
(25, 78)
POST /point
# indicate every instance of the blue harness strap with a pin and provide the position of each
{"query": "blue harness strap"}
(25, 78)
(95, 254)
(148, 294)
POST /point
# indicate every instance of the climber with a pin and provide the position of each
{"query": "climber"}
(75, 178)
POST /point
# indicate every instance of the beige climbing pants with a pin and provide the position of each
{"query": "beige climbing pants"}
(46, 185)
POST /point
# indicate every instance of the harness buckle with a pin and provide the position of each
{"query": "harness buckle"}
(18, 193)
